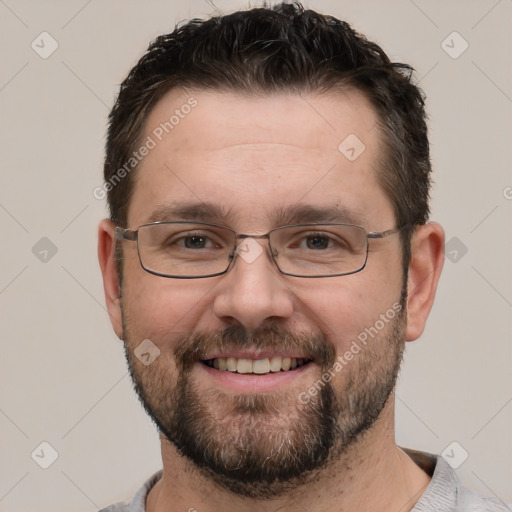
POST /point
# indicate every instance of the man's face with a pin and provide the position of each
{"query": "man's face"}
(252, 158)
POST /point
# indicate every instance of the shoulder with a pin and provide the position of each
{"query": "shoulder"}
(446, 493)
(471, 501)
(116, 507)
(138, 503)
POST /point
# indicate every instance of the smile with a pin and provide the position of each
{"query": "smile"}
(257, 366)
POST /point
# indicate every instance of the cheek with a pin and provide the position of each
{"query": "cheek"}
(160, 309)
(348, 305)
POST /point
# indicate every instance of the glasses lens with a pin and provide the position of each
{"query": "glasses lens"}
(185, 249)
(320, 250)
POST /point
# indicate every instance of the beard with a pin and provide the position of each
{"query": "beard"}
(264, 445)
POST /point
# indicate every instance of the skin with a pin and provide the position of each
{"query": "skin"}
(253, 155)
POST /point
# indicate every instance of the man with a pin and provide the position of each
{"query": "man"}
(267, 256)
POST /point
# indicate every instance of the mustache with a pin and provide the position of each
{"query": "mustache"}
(192, 349)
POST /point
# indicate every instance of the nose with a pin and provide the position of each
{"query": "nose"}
(253, 292)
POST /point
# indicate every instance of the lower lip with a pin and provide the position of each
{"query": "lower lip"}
(251, 382)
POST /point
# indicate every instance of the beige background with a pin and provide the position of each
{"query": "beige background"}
(62, 372)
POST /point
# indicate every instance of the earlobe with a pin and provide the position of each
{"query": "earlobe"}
(427, 258)
(106, 257)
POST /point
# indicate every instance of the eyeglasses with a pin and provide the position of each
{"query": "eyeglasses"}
(189, 250)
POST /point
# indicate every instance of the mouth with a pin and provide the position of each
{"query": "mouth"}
(262, 366)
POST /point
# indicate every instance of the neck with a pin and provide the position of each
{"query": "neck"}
(374, 474)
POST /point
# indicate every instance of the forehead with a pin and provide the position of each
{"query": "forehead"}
(254, 156)
(219, 119)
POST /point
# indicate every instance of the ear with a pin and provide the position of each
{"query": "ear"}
(106, 256)
(427, 259)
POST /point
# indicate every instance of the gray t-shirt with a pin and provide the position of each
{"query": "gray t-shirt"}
(445, 493)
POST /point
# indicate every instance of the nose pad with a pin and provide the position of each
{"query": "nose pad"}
(250, 250)
(231, 260)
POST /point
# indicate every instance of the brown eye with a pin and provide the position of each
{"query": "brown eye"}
(317, 242)
(195, 242)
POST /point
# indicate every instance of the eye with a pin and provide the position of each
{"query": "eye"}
(195, 241)
(317, 242)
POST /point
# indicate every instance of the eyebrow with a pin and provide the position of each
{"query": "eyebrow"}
(305, 214)
(201, 211)
(293, 214)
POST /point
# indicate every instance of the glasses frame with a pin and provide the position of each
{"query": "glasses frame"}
(133, 236)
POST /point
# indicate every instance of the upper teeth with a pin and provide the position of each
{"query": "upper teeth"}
(260, 366)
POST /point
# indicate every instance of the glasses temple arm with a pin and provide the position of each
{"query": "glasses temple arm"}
(126, 234)
(382, 234)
